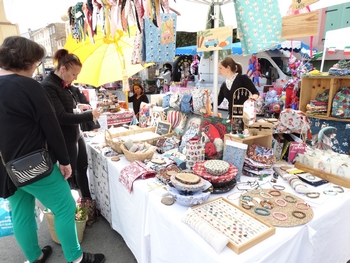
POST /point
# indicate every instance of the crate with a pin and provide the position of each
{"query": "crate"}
(233, 212)
(116, 145)
(312, 85)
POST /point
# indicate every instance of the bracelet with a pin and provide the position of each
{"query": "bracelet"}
(290, 199)
(310, 177)
(283, 218)
(265, 195)
(303, 215)
(256, 191)
(246, 198)
(275, 193)
(330, 192)
(279, 200)
(228, 197)
(313, 195)
(305, 205)
(246, 206)
(278, 187)
(340, 188)
(264, 210)
(266, 204)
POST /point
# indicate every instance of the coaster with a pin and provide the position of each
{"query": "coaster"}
(168, 200)
(158, 161)
(115, 159)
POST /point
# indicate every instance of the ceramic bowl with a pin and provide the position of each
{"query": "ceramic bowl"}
(189, 200)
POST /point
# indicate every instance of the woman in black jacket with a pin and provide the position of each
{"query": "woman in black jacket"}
(234, 80)
(70, 114)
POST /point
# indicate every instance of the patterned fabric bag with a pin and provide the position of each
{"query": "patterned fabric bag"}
(185, 104)
(341, 103)
(166, 100)
(199, 100)
(175, 101)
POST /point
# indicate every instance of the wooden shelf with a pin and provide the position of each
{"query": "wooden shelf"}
(313, 85)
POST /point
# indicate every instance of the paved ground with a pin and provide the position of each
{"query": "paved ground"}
(100, 238)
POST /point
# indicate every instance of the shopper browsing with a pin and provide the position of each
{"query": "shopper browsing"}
(70, 114)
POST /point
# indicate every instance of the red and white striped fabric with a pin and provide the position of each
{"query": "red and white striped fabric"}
(331, 50)
(347, 50)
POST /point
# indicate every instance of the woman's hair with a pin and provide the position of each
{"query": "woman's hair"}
(235, 66)
(19, 53)
(138, 85)
(64, 58)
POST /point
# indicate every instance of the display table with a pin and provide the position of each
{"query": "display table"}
(124, 211)
(155, 233)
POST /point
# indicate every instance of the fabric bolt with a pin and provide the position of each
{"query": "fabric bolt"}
(234, 154)
(259, 25)
(159, 43)
(134, 171)
(48, 191)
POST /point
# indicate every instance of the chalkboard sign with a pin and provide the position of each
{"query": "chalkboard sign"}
(163, 127)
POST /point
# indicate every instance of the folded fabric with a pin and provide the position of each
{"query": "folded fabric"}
(133, 171)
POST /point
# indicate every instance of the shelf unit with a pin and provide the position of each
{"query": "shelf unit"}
(312, 85)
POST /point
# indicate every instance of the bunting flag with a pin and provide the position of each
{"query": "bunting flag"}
(331, 50)
(347, 50)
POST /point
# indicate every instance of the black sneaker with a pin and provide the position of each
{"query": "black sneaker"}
(93, 258)
(47, 251)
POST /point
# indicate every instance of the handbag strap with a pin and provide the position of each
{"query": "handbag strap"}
(2, 158)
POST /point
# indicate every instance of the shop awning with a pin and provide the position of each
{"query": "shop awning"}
(192, 50)
(296, 46)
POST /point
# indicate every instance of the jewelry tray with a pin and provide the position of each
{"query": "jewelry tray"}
(243, 230)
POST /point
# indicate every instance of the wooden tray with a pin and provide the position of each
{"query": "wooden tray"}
(335, 179)
(262, 231)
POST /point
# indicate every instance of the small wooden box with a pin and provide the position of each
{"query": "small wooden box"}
(235, 211)
(260, 139)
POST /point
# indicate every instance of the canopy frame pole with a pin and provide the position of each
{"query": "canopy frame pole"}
(216, 62)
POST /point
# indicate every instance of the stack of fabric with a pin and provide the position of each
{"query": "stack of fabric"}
(317, 107)
(259, 161)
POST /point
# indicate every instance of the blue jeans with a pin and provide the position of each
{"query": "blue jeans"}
(54, 193)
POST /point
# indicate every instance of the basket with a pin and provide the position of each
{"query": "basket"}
(139, 156)
(116, 146)
(51, 225)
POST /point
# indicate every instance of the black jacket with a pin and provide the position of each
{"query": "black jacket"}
(64, 104)
(27, 121)
(240, 81)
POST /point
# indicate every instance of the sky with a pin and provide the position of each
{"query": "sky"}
(35, 14)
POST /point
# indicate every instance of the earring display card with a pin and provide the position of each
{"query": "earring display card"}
(243, 230)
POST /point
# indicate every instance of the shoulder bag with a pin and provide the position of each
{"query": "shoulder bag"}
(29, 168)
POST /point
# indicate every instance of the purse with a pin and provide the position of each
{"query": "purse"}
(29, 168)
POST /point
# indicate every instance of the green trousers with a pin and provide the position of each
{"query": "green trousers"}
(54, 193)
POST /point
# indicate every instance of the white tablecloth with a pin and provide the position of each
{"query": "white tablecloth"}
(155, 233)
(324, 239)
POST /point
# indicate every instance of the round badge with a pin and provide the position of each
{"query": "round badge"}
(115, 159)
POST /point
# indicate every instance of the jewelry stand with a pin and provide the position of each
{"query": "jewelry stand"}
(237, 110)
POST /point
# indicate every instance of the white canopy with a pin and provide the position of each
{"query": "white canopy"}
(336, 39)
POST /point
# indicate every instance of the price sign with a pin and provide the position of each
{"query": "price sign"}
(163, 127)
